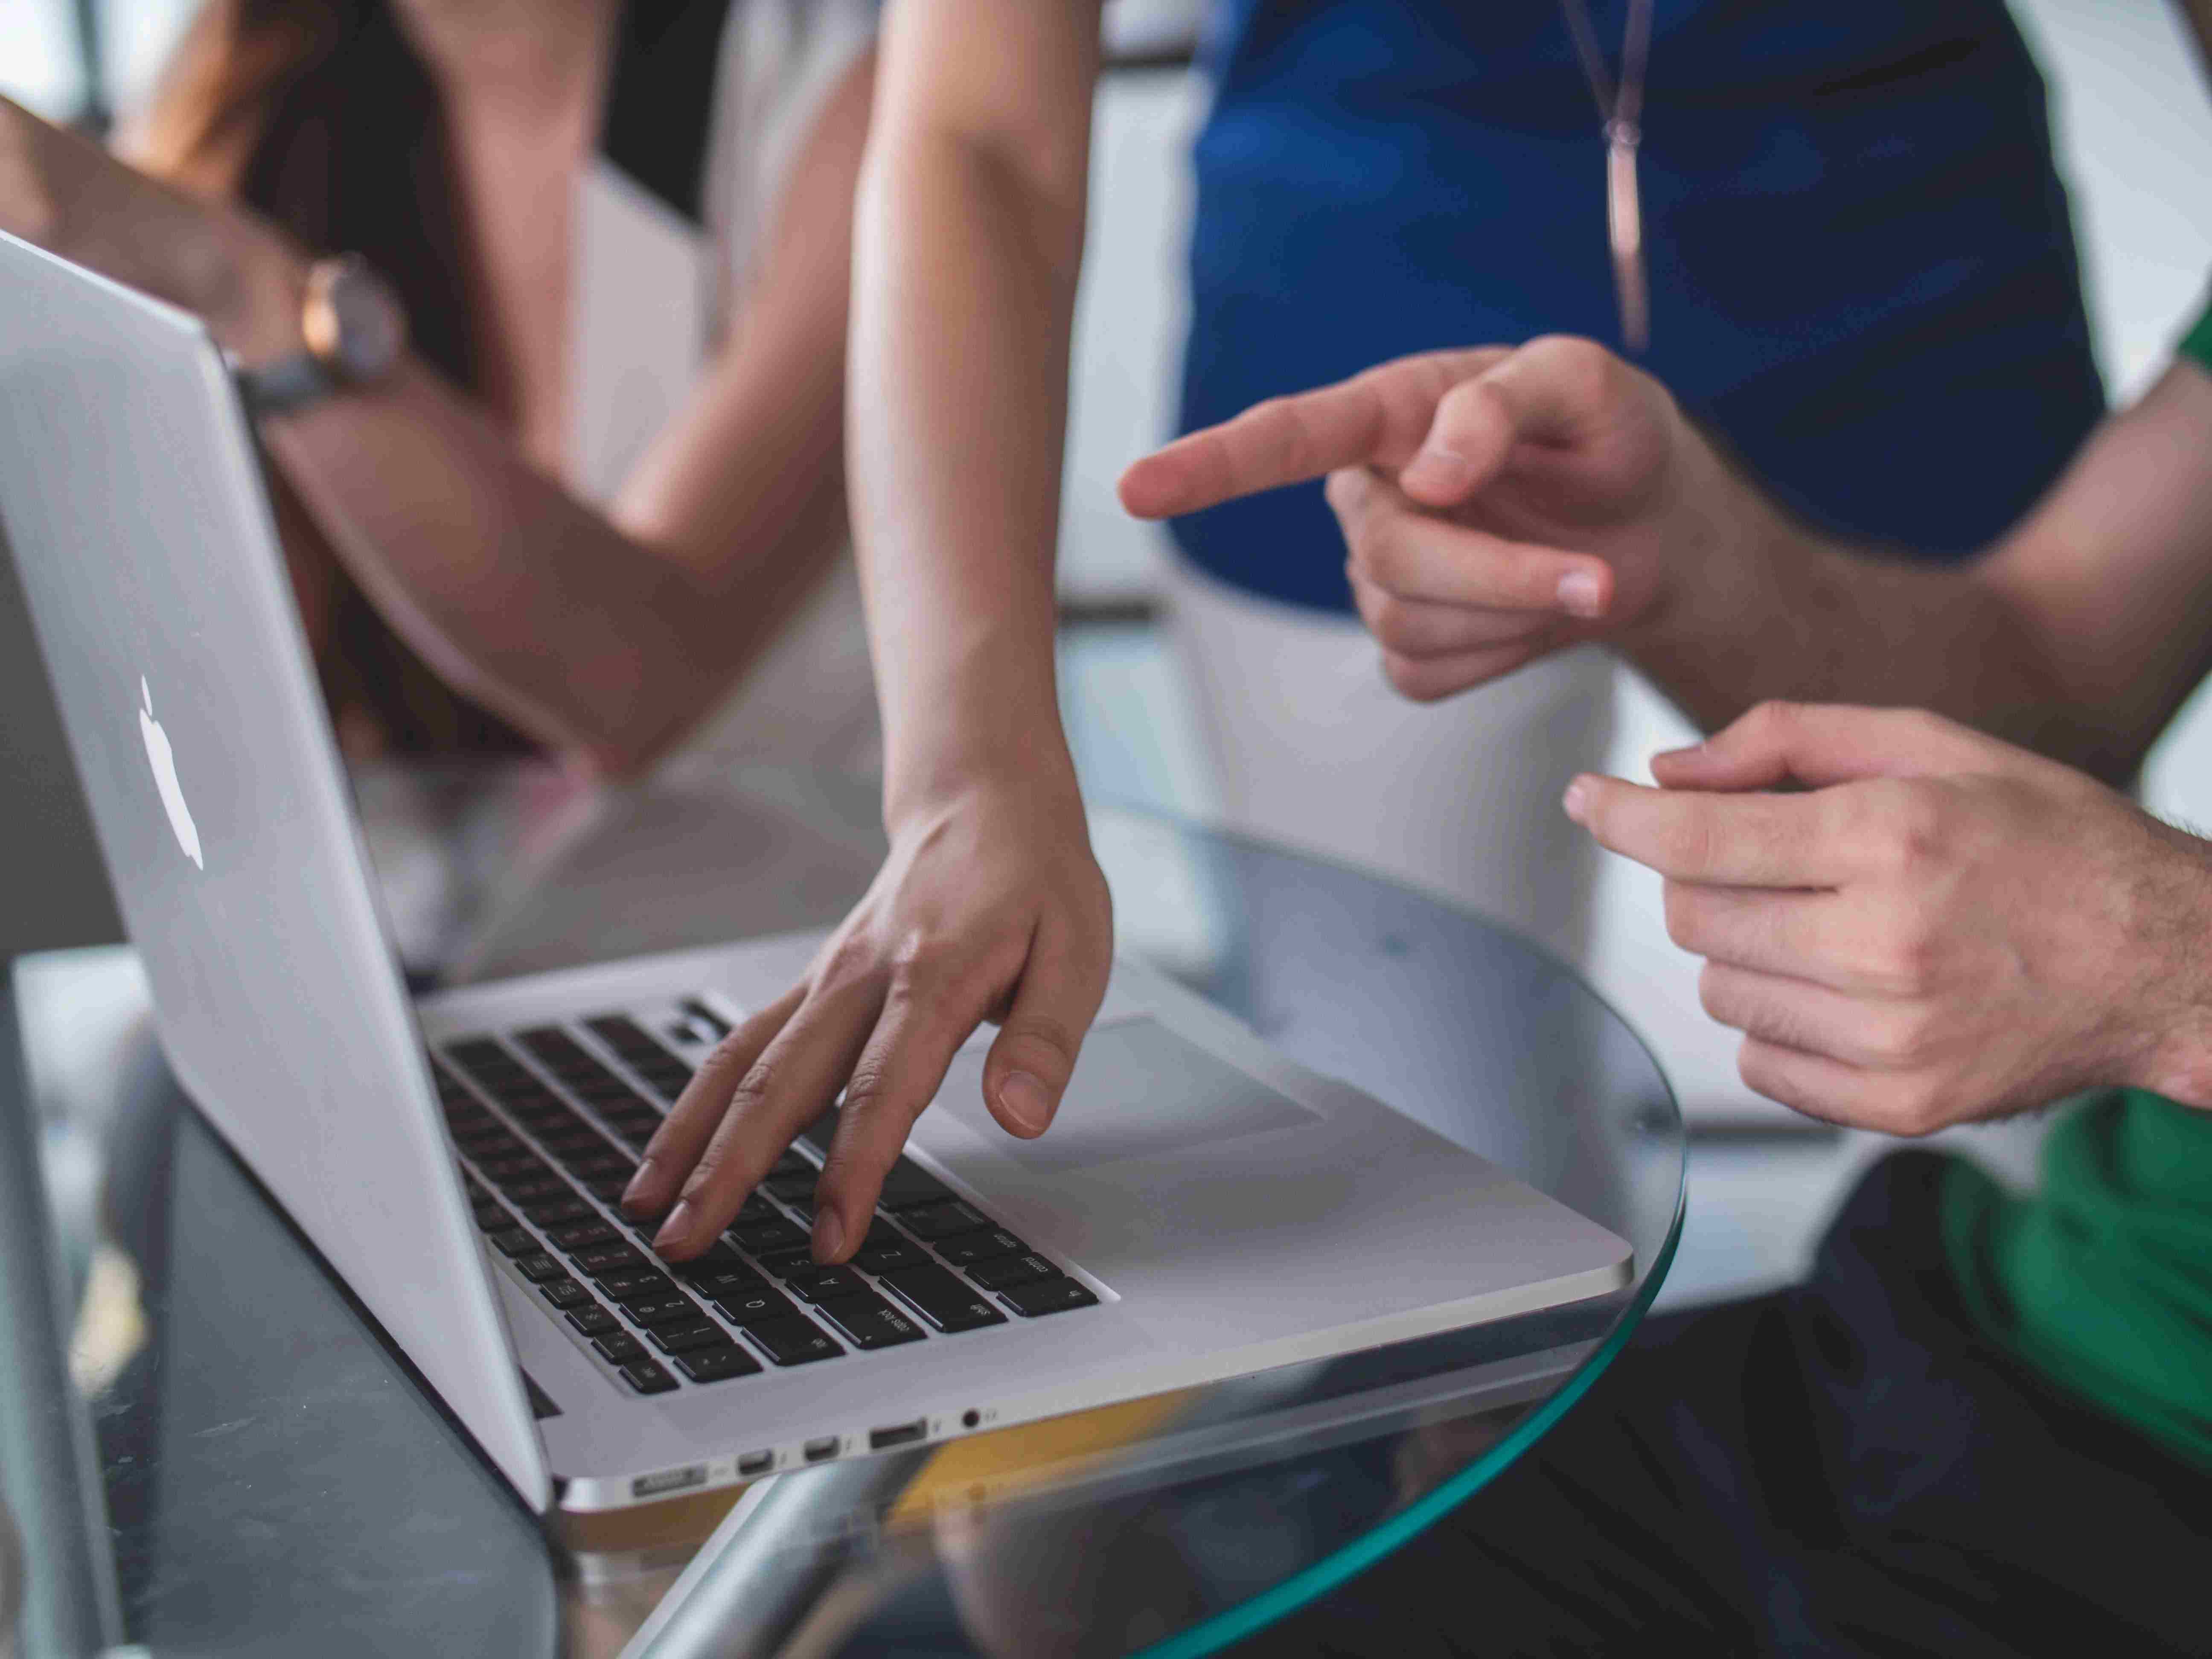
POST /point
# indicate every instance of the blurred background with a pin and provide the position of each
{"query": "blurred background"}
(2134, 126)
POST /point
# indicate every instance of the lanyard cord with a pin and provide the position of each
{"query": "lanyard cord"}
(1621, 110)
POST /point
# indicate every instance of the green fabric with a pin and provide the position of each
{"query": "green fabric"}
(2102, 1279)
(2197, 342)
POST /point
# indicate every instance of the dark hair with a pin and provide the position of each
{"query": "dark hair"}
(319, 115)
(328, 124)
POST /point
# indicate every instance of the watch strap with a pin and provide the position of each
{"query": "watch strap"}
(291, 382)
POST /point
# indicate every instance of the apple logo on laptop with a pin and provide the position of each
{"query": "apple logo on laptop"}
(164, 763)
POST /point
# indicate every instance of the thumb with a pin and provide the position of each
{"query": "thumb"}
(1820, 744)
(1033, 1056)
(1556, 391)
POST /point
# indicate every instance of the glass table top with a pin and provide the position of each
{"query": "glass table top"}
(258, 1462)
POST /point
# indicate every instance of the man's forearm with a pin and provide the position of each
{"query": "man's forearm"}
(1773, 611)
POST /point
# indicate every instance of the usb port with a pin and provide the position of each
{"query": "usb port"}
(905, 1434)
(826, 1447)
(756, 1462)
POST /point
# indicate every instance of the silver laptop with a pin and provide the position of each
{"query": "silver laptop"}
(1202, 1208)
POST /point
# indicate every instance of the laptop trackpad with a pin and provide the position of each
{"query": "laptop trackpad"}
(1140, 1090)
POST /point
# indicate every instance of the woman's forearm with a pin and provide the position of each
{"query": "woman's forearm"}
(524, 599)
(608, 635)
(967, 248)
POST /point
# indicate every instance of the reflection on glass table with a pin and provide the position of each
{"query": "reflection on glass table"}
(239, 1391)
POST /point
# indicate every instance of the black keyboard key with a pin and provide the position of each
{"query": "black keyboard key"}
(828, 1284)
(755, 1208)
(795, 1186)
(593, 1322)
(540, 1268)
(669, 1081)
(565, 1293)
(636, 1281)
(658, 1312)
(717, 1364)
(511, 1241)
(582, 1236)
(790, 1164)
(537, 1189)
(943, 1300)
(618, 1347)
(609, 1259)
(716, 1257)
(980, 1247)
(936, 1221)
(492, 1218)
(718, 1282)
(675, 1338)
(1047, 1296)
(609, 1190)
(889, 1258)
(610, 1165)
(869, 1321)
(908, 1184)
(755, 1305)
(789, 1264)
(793, 1342)
(997, 1275)
(699, 1012)
(559, 1211)
(573, 1141)
(765, 1238)
(646, 1377)
(512, 1166)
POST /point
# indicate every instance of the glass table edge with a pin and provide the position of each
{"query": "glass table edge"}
(1271, 1606)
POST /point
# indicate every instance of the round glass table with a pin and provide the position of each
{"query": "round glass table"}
(263, 1465)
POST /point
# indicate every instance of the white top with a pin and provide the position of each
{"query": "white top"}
(655, 287)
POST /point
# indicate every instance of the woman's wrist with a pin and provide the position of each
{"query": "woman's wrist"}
(1008, 745)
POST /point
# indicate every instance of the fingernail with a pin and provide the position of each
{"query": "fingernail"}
(1026, 1100)
(1576, 801)
(1578, 593)
(829, 1236)
(673, 1229)
(1437, 468)
(639, 1182)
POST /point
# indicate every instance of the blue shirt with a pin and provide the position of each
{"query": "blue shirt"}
(1862, 269)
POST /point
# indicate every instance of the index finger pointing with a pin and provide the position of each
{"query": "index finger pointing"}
(1374, 419)
(1731, 841)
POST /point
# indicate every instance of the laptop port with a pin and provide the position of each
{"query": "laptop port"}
(826, 1447)
(905, 1434)
(756, 1462)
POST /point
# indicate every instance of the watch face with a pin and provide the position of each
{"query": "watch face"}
(353, 321)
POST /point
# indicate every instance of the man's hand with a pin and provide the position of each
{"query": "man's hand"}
(1942, 928)
(989, 907)
(1499, 504)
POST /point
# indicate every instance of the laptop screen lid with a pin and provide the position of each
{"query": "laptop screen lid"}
(133, 504)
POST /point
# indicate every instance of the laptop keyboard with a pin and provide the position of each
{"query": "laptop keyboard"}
(549, 1134)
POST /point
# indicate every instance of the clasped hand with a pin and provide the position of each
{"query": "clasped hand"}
(1940, 928)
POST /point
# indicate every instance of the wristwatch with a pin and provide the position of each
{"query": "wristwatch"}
(355, 328)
